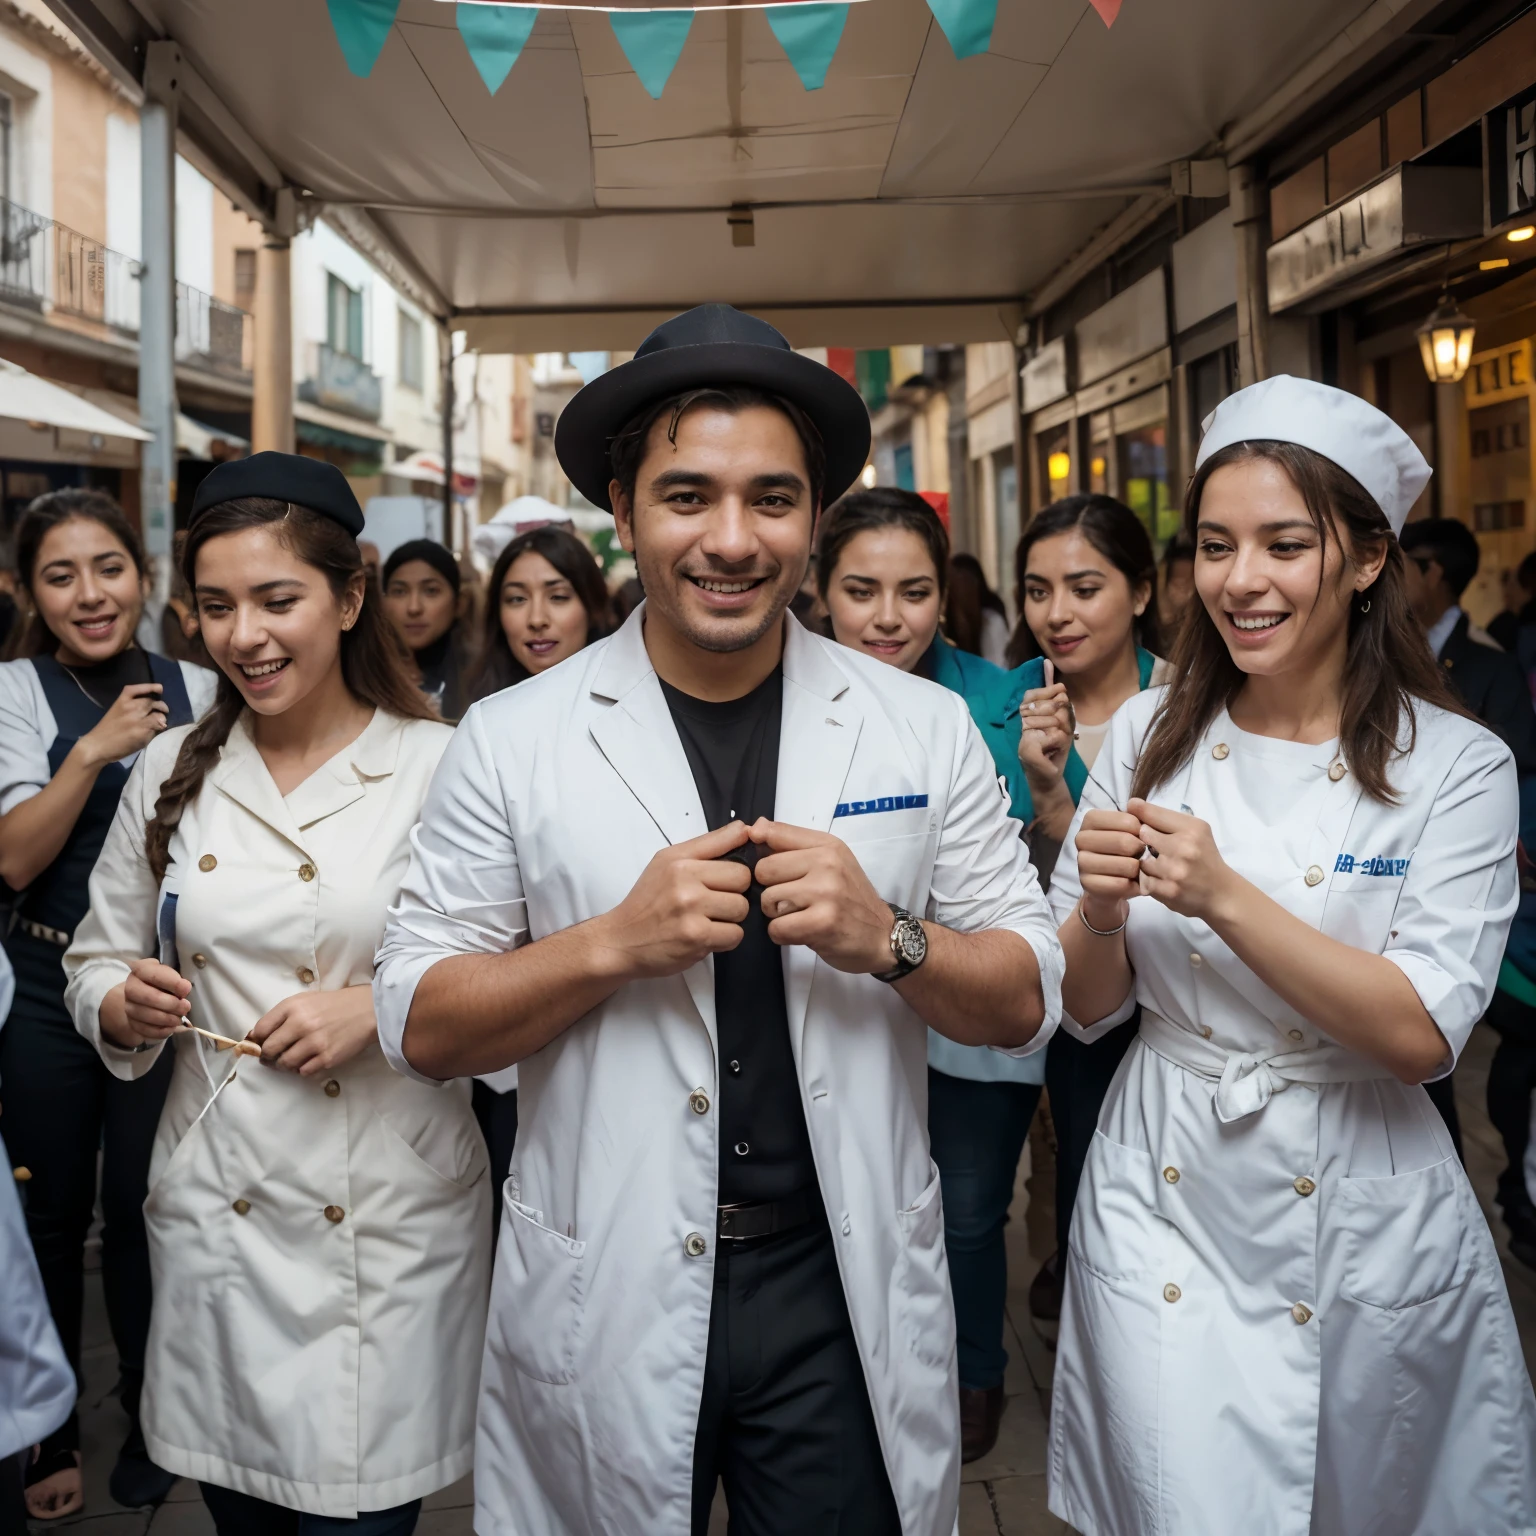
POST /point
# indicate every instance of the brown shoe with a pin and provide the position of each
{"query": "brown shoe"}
(981, 1412)
(1045, 1292)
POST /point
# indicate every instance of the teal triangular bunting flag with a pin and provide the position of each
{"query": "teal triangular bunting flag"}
(966, 23)
(494, 35)
(652, 42)
(361, 27)
(809, 34)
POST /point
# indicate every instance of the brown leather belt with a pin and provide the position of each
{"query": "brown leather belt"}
(44, 932)
(737, 1223)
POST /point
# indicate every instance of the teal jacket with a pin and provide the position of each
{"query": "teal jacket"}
(993, 697)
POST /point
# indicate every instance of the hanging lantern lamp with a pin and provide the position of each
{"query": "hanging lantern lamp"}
(1445, 343)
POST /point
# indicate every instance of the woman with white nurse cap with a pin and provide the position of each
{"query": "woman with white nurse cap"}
(1284, 1312)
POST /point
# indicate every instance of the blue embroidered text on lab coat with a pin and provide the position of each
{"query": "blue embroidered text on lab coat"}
(1348, 864)
(884, 803)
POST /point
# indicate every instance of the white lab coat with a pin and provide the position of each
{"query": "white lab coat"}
(1284, 1314)
(319, 1245)
(549, 803)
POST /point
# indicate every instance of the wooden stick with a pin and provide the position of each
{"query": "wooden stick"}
(224, 1043)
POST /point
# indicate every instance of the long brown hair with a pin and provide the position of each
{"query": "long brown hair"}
(374, 661)
(1387, 667)
(49, 511)
(497, 668)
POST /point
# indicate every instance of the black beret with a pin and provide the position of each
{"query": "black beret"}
(291, 477)
(430, 552)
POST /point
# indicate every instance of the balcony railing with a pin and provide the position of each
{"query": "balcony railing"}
(342, 383)
(46, 266)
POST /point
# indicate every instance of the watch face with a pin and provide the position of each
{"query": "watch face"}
(913, 942)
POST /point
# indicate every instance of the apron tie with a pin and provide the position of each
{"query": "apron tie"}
(1246, 1081)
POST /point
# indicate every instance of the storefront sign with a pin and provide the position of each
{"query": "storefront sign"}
(1045, 375)
(1412, 205)
(1511, 140)
(1130, 326)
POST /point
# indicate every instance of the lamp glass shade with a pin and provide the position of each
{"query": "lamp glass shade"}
(1445, 344)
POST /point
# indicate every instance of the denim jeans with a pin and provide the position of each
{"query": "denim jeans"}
(239, 1514)
(977, 1131)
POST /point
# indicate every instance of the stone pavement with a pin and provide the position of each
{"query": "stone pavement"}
(1003, 1495)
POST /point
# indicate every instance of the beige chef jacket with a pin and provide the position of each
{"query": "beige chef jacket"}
(319, 1244)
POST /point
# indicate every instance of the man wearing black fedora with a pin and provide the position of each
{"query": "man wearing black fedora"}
(708, 882)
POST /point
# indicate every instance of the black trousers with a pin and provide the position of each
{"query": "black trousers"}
(60, 1108)
(785, 1420)
(1511, 1083)
(1077, 1078)
(238, 1514)
(497, 1115)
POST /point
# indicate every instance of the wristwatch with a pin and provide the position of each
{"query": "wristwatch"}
(909, 945)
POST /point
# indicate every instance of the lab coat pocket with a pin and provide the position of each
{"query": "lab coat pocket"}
(1360, 908)
(920, 1282)
(1403, 1237)
(540, 1295)
(899, 867)
(446, 1147)
(1116, 1230)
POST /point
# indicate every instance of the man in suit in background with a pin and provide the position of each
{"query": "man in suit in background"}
(1442, 557)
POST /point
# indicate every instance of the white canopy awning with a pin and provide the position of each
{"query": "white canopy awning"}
(27, 398)
(915, 197)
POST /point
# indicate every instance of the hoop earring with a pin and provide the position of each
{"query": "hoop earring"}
(1365, 607)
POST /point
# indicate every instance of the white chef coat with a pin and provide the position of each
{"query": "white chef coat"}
(319, 1245)
(1284, 1313)
(551, 800)
(28, 729)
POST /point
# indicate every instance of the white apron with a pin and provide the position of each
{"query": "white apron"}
(1284, 1314)
(319, 1245)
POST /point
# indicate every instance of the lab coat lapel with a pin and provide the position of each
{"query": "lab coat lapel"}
(818, 734)
(243, 777)
(343, 781)
(637, 737)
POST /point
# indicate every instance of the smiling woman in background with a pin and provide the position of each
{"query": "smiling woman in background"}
(545, 601)
(422, 584)
(74, 713)
(317, 1232)
(1086, 576)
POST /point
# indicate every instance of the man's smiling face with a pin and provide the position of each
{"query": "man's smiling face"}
(720, 523)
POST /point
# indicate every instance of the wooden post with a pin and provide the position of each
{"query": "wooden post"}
(272, 399)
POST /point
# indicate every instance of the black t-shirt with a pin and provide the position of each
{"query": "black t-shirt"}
(765, 1151)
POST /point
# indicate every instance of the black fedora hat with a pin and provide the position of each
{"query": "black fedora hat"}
(713, 344)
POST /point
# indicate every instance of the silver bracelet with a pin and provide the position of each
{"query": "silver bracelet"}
(1101, 933)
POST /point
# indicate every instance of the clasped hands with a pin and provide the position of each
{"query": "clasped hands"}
(1148, 850)
(691, 900)
(308, 1033)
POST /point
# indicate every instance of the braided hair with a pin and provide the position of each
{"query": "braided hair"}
(374, 661)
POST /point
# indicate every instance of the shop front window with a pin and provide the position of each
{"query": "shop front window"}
(1144, 479)
(1099, 450)
(1501, 465)
(1055, 450)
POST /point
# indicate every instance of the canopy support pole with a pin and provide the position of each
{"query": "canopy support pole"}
(157, 314)
(272, 381)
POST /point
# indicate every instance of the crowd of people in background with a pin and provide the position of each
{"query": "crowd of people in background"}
(388, 655)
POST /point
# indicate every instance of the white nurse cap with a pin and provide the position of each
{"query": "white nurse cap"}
(1342, 427)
